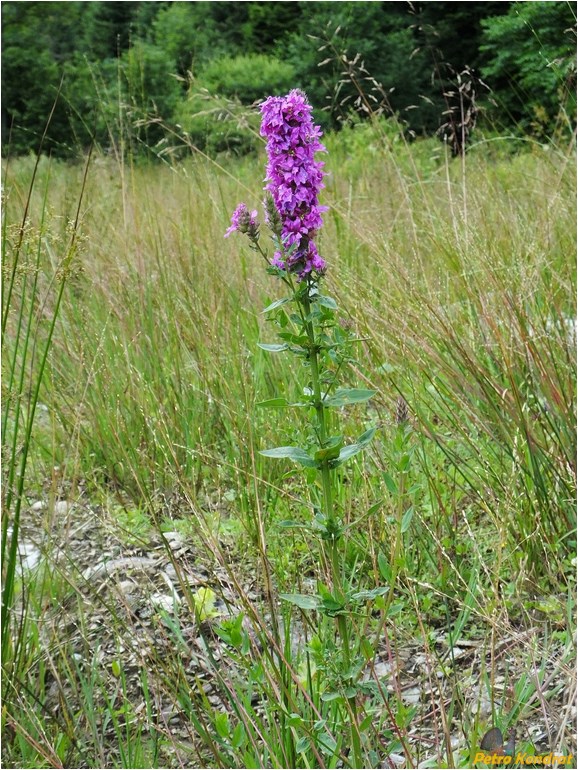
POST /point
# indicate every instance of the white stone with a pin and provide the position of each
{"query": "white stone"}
(411, 696)
(29, 554)
(164, 602)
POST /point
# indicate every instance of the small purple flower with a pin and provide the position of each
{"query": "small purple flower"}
(244, 221)
(294, 178)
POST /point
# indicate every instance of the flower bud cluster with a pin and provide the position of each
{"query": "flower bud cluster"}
(244, 222)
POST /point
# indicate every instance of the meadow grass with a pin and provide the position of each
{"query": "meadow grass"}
(458, 279)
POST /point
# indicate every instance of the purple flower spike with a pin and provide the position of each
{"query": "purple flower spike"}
(294, 178)
(244, 222)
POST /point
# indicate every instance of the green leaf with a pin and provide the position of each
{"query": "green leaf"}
(304, 601)
(277, 303)
(374, 508)
(205, 603)
(222, 724)
(383, 564)
(293, 453)
(324, 591)
(272, 348)
(238, 737)
(346, 453)
(250, 761)
(390, 483)
(330, 450)
(330, 453)
(292, 524)
(327, 744)
(297, 339)
(366, 648)
(332, 606)
(404, 462)
(273, 403)
(327, 302)
(364, 596)
(355, 669)
(406, 521)
(327, 697)
(366, 723)
(366, 437)
(345, 396)
(352, 449)
(302, 745)
(231, 632)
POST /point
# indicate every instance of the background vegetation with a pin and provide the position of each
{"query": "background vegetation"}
(120, 64)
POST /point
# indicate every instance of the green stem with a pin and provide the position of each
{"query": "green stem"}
(319, 410)
(331, 545)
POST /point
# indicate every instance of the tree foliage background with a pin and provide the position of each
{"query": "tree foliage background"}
(145, 73)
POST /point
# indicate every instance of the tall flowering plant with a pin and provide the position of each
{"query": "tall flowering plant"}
(294, 217)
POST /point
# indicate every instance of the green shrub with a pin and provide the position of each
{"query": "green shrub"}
(217, 124)
(215, 116)
(248, 78)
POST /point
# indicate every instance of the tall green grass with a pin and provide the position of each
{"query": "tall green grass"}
(459, 280)
(32, 293)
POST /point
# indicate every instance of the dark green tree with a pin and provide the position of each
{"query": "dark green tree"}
(530, 63)
(110, 27)
(188, 34)
(268, 25)
(411, 50)
(37, 40)
(330, 30)
(449, 33)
